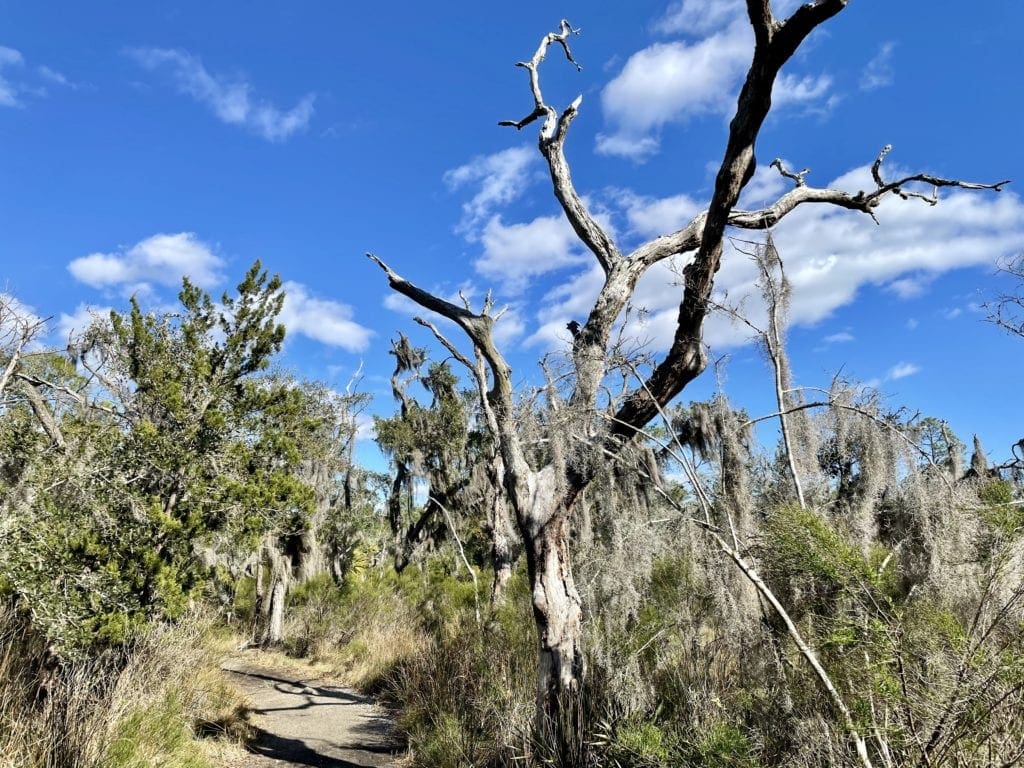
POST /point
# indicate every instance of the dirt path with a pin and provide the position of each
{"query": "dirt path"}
(308, 722)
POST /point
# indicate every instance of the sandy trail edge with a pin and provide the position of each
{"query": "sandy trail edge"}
(305, 721)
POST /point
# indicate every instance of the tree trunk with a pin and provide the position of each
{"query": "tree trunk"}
(501, 558)
(278, 593)
(544, 526)
(272, 591)
(311, 559)
(498, 525)
(557, 611)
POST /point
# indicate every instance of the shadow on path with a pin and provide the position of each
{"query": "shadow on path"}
(300, 724)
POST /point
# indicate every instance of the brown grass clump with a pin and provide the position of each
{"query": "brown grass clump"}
(154, 702)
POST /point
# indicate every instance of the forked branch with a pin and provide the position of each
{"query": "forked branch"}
(552, 143)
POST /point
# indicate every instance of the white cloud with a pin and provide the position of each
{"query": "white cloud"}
(8, 90)
(161, 259)
(651, 217)
(842, 337)
(501, 177)
(911, 286)
(323, 320)
(912, 324)
(669, 82)
(514, 253)
(230, 100)
(571, 300)
(792, 90)
(902, 370)
(878, 73)
(637, 148)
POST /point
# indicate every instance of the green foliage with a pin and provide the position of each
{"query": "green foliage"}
(724, 745)
(315, 608)
(800, 543)
(999, 509)
(189, 447)
(158, 731)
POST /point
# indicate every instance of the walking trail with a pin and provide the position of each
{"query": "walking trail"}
(304, 721)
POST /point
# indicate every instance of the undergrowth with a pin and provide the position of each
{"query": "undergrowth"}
(159, 701)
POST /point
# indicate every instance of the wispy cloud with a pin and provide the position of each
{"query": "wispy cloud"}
(161, 259)
(902, 370)
(879, 73)
(911, 286)
(809, 93)
(499, 179)
(9, 58)
(231, 100)
(55, 77)
(698, 16)
(843, 337)
(18, 81)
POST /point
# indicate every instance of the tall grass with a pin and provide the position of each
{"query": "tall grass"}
(143, 705)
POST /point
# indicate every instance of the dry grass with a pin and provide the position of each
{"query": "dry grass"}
(357, 637)
(153, 703)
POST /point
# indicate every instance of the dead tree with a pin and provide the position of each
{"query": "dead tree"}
(543, 497)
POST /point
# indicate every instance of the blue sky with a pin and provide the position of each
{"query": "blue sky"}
(139, 142)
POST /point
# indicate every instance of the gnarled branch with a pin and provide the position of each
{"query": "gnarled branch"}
(552, 143)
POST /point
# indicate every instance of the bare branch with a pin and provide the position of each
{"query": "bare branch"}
(478, 327)
(42, 412)
(78, 397)
(452, 349)
(797, 178)
(552, 142)
(689, 237)
(805, 19)
(876, 167)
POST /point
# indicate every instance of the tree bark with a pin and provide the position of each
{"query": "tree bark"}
(499, 526)
(558, 613)
(272, 592)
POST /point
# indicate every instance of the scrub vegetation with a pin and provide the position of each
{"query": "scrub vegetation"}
(593, 571)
